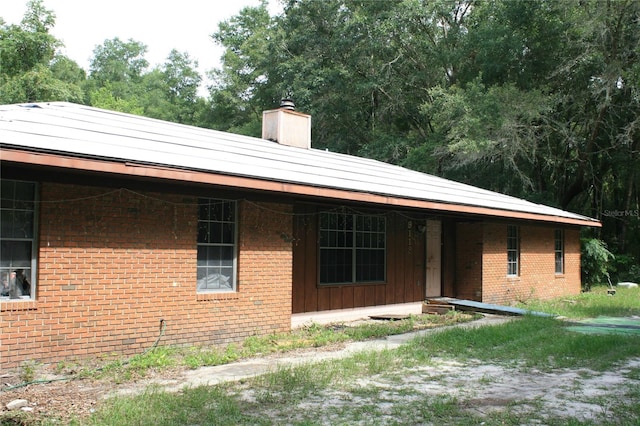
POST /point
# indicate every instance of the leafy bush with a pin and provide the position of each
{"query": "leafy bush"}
(595, 263)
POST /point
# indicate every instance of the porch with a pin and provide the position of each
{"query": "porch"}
(353, 314)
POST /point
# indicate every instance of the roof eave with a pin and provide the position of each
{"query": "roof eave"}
(124, 168)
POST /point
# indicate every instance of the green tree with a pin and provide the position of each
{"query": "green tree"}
(103, 98)
(120, 79)
(67, 70)
(121, 64)
(348, 63)
(538, 99)
(30, 70)
(242, 88)
(578, 148)
(24, 46)
(174, 89)
(596, 262)
(487, 134)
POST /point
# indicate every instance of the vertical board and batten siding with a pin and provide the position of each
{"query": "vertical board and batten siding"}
(468, 260)
(405, 251)
(113, 263)
(449, 250)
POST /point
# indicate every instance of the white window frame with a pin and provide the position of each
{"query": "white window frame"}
(513, 251)
(559, 251)
(217, 235)
(12, 271)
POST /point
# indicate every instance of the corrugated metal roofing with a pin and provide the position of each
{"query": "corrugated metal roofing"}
(81, 131)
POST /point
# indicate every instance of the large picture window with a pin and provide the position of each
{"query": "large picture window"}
(17, 239)
(352, 248)
(559, 251)
(513, 250)
(216, 245)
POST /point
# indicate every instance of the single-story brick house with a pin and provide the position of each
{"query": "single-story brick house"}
(113, 224)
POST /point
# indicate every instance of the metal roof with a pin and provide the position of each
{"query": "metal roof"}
(79, 131)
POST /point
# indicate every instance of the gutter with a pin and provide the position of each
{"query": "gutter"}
(288, 188)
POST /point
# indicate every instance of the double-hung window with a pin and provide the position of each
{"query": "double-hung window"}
(217, 228)
(352, 248)
(559, 251)
(513, 250)
(17, 239)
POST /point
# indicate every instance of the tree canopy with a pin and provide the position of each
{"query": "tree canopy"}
(27, 52)
(538, 99)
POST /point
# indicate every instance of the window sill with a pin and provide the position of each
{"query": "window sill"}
(9, 305)
(559, 275)
(513, 277)
(204, 297)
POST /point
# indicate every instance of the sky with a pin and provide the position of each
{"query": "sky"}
(185, 25)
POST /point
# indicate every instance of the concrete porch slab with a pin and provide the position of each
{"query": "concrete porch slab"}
(343, 315)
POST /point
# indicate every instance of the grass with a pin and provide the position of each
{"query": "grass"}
(543, 343)
(369, 387)
(196, 406)
(624, 303)
(162, 358)
(312, 336)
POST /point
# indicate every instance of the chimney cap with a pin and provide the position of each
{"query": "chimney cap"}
(287, 104)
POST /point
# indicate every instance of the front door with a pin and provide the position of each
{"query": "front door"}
(434, 258)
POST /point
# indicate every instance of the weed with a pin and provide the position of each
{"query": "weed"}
(28, 370)
(633, 373)
(201, 405)
(370, 391)
(256, 344)
(157, 358)
(199, 357)
(486, 380)
(17, 418)
(61, 367)
(368, 387)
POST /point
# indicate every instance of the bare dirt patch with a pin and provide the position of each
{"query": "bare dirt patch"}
(480, 388)
(573, 393)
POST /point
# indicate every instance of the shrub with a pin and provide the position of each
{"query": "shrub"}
(595, 262)
(625, 268)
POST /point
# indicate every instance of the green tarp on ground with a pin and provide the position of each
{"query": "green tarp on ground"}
(607, 325)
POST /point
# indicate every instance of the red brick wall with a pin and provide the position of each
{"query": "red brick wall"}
(537, 279)
(113, 263)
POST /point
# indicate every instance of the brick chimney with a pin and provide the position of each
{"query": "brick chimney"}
(287, 126)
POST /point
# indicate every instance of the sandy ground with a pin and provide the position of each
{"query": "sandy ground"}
(580, 394)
